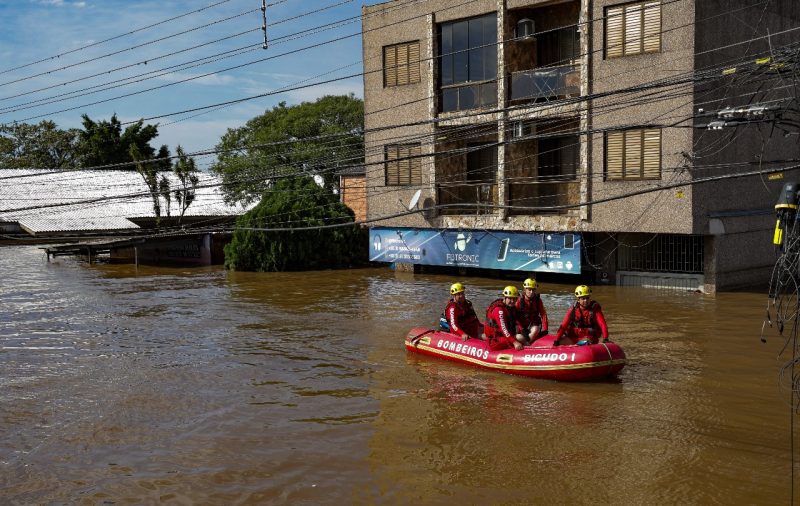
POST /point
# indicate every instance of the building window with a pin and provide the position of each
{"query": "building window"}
(468, 63)
(481, 163)
(633, 154)
(401, 64)
(558, 158)
(403, 164)
(633, 29)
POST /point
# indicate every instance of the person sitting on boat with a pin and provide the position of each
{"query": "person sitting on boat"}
(584, 322)
(531, 313)
(460, 315)
(501, 322)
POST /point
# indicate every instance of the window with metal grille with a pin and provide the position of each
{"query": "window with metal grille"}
(633, 154)
(633, 29)
(403, 164)
(401, 64)
(660, 253)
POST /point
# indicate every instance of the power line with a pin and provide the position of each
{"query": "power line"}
(311, 31)
(138, 46)
(93, 44)
(208, 59)
(482, 112)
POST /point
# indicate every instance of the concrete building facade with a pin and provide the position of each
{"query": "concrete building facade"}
(602, 118)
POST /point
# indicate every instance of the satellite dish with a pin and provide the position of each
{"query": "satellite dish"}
(414, 200)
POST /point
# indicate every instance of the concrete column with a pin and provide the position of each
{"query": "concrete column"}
(710, 244)
(501, 102)
(433, 101)
(586, 172)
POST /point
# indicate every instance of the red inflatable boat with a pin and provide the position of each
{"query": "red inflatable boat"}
(540, 360)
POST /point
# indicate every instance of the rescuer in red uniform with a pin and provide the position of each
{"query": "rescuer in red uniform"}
(461, 316)
(531, 313)
(501, 322)
(584, 321)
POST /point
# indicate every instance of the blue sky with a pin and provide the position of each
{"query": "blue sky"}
(36, 30)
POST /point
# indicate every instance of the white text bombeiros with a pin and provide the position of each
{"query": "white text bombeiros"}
(462, 348)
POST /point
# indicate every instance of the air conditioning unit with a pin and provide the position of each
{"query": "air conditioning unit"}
(525, 28)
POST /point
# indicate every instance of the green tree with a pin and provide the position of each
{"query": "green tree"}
(312, 138)
(158, 187)
(186, 172)
(39, 146)
(296, 202)
(105, 143)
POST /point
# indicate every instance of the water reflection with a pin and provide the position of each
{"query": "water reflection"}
(144, 385)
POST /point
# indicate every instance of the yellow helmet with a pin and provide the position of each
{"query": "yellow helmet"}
(511, 291)
(582, 291)
(529, 283)
(456, 288)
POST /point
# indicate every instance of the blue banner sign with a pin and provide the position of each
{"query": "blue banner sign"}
(487, 249)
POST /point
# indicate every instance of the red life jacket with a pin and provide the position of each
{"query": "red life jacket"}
(577, 311)
(469, 312)
(512, 325)
(525, 306)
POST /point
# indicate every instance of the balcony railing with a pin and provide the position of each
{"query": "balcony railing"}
(480, 197)
(539, 197)
(550, 83)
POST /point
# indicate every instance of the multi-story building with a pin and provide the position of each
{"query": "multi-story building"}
(585, 136)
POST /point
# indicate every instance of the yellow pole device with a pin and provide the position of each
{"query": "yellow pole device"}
(777, 239)
(786, 209)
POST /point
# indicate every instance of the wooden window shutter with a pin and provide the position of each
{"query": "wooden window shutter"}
(633, 154)
(652, 27)
(633, 29)
(652, 154)
(404, 165)
(402, 64)
(392, 174)
(413, 62)
(390, 65)
(416, 165)
(614, 155)
(615, 31)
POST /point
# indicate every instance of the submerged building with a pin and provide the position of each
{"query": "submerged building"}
(111, 212)
(603, 138)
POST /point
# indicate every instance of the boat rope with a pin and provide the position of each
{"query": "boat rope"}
(610, 358)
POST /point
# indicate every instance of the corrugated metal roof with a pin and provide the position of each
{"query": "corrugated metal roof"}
(39, 224)
(359, 170)
(95, 200)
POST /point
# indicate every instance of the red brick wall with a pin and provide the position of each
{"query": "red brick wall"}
(354, 194)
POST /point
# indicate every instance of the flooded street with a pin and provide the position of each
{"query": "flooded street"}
(201, 386)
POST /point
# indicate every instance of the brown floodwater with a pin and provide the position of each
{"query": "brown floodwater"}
(200, 386)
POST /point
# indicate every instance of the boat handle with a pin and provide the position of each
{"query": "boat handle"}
(415, 339)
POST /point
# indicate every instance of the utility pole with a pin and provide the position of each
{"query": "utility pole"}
(264, 21)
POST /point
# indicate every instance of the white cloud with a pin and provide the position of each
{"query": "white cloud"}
(209, 80)
(313, 93)
(61, 3)
(195, 135)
